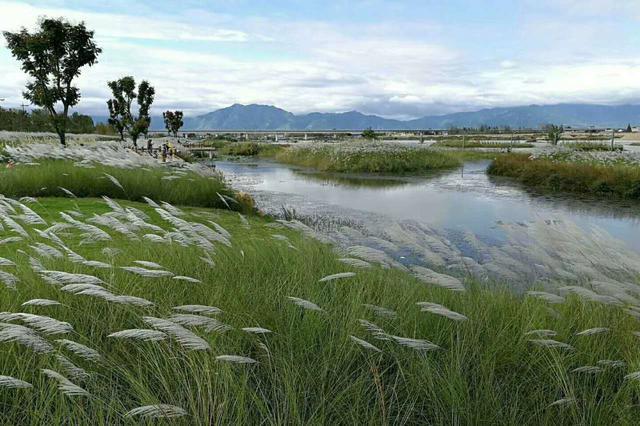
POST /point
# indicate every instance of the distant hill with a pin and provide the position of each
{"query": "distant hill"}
(266, 117)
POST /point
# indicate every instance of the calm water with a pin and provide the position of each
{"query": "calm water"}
(462, 200)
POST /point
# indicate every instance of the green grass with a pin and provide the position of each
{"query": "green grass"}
(359, 158)
(615, 180)
(591, 146)
(308, 371)
(48, 177)
(457, 143)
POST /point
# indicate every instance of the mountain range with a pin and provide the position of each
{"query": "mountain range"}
(267, 117)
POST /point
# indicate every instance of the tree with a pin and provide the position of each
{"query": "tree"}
(120, 116)
(173, 122)
(53, 57)
(123, 92)
(553, 133)
(628, 130)
(368, 133)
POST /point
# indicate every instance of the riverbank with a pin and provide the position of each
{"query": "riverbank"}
(244, 320)
(611, 174)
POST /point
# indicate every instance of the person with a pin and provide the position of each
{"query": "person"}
(164, 152)
(150, 146)
(170, 148)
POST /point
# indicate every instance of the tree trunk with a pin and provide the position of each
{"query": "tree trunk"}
(63, 138)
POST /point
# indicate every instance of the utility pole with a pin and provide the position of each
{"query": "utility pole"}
(612, 138)
(23, 116)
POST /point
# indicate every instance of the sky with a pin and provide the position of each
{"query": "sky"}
(399, 59)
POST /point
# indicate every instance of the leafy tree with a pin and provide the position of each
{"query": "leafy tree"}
(173, 121)
(368, 133)
(120, 115)
(553, 133)
(53, 57)
(123, 92)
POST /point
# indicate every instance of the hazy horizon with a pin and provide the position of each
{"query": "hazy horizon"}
(402, 60)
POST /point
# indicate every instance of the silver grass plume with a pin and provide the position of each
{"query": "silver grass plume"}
(550, 343)
(41, 302)
(338, 276)
(183, 336)
(305, 304)
(10, 240)
(376, 331)
(147, 273)
(44, 324)
(547, 297)
(236, 359)
(437, 309)
(143, 334)
(198, 309)
(157, 411)
(564, 401)
(612, 363)
(65, 385)
(380, 311)
(36, 265)
(115, 181)
(356, 263)
(256, 330)
(148, 264)
(66, 191)
(80, 350)
(365, 344)
(24, 336)
(151, 203)
(13, 383)
(588, 369)
(64, 278)
(592, 331)
(75, 372)
(14, 226)
(9, 280)
(46, 251)
(188, 279)
(416, 344)
(209, 324)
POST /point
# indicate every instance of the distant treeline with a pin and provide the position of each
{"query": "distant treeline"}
(38, 120)
(453, 130)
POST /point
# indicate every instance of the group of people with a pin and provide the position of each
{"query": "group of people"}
(167, 151)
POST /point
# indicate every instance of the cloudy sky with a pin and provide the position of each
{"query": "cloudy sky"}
(396, 58)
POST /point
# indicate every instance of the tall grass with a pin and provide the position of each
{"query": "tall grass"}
(618, 180)
(309, 369)
(47, 178)
(458, 143)
(369, 157)
(591, 146)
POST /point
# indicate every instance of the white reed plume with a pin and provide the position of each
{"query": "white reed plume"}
(564, 401)
(380, 311)
(436, 309)
(112, 204)
(186, 338)
(66, 191)
(80, 350)
(14, 226)
(44, 324)
(130, 300)
(547, 297)
(588, 369)
(541, 333)
(198, 309)
(91, 233)
(47, 251)
(188, 279)
(374, 329)
(171, 209)
(416, 344)
(592, 331)
(9, 280)
(338, 276)
(24, 336)
(151, 203)
(148, 264)
(441, 280)
(614, 363)
(6, 262)
(10, 240)
(28, 200)
(41, 302)
(207, 259)
(143, 334)
(36, 265)
(236, 359)
(147, 273)
(115, 181)
(65, 385)
(154, 238)
(13, 383)
(96, 264)
(29, 216)
(157, 411)
(356, 263)
(256, 330)
(75, 372)
(64, 278)
(221, 230)
(305, 304)
(113, 223)
(550, 343)
(365, 344)
(209, 324)
(77, 288)
(244, 220)
(49, 235)
(633, 376)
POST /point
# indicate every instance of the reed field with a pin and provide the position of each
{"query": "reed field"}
(470, 144)
(118, 312)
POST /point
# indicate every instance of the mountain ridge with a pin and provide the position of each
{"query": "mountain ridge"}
(267, 117)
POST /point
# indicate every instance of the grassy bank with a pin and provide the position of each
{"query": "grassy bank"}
(53, 177)
(617, 179)
(367, 157)
(486, 369)
(458, 143)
